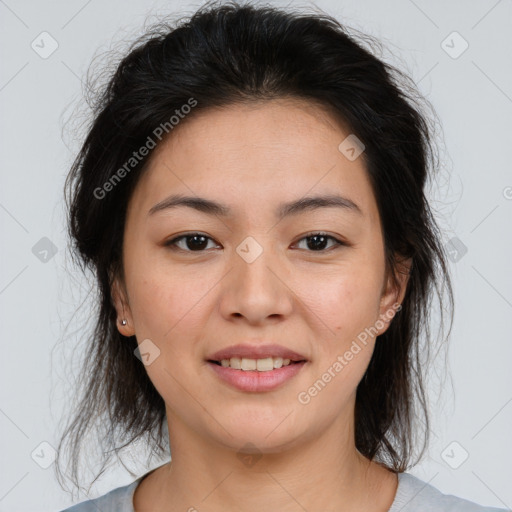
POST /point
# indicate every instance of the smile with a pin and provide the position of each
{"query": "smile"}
(250, 378)
(261, 365)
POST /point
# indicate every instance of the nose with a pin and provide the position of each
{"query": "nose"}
(255, 289)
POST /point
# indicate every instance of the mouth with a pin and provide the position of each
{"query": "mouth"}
(256, 375)
(261, 365)
(256, 367)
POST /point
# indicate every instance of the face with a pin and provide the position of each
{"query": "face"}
(249, 276)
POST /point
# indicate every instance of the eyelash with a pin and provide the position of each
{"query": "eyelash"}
(172, 243)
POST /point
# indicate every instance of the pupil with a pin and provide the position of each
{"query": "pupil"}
(200, 245)
(317, 245)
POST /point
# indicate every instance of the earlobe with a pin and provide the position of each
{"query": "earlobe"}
(124, 317)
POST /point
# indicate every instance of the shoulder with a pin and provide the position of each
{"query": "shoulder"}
(414, 495)
(119, 499)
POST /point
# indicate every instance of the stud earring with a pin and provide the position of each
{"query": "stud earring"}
(123, 322)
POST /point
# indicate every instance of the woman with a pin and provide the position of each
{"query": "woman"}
(251, 198)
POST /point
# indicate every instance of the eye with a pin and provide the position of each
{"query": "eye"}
(319, 240)
(193, 242)
(197, 242)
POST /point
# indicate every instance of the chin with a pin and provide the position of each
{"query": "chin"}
(271, 436)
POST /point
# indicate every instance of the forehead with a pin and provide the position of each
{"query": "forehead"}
(283, 127)
(257, 154)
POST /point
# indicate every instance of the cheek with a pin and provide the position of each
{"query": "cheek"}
(166, 309)
(348, 306)
(347, 302)
(167, 304)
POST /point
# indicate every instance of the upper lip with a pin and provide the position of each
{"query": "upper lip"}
(256, 352)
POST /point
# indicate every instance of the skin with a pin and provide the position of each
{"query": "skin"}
(314, 301)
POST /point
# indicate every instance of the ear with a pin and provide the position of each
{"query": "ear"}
(393, 294)
(120, 299)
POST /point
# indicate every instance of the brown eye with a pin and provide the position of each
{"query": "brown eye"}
(193, 242)
(197, 242)
(316, 242)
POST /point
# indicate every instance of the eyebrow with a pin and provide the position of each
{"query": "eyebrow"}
(302, 205)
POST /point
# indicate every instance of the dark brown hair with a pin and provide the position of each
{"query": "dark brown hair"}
(222, 55)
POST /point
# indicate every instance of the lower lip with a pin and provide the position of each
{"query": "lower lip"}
(255, 381)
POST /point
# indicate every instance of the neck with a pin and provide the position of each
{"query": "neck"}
(324, 472)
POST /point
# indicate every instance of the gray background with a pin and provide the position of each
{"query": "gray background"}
(39, 291)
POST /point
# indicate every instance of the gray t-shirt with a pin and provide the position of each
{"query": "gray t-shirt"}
(412, 495)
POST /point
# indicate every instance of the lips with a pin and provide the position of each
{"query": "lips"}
(256, 352)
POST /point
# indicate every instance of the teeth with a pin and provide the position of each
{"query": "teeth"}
(264, 365)
(234, 362)
(261, 365)
(249, 364)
